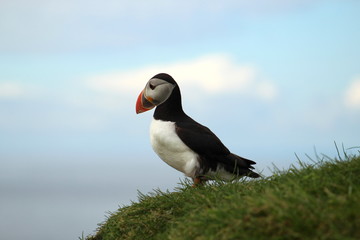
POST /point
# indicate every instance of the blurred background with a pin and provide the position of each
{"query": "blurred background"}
(270, 78)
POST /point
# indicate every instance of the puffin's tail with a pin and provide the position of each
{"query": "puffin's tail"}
(240, 166)
(253, 174)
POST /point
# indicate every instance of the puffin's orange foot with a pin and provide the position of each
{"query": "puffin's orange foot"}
(197, 181)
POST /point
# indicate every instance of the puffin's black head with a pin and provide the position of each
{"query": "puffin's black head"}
(157, 90)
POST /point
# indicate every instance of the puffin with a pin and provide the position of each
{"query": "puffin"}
(183, 143)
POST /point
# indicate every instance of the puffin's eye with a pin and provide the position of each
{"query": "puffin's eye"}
(152, 87)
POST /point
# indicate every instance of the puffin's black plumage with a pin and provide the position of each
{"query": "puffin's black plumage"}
(211, 151)
(171, 109)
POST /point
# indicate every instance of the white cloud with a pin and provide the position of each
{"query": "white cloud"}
(10, 90)
(352, 94)
(209, 75)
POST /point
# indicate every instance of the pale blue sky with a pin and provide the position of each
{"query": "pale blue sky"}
(270, 78)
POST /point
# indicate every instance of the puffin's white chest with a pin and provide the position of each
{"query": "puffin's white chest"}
(171, 149)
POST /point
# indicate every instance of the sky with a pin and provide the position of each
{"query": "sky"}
(270, 78)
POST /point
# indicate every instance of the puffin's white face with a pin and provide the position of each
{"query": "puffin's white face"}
(155, 92)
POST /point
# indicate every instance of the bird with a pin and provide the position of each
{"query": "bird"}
(183, 143)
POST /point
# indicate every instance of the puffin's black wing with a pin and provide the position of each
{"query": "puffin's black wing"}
(211, 150)
(200, 138)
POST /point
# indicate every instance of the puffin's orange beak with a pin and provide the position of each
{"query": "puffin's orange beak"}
(143, 103)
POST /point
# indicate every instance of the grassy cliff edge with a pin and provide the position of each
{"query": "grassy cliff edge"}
(317, 201)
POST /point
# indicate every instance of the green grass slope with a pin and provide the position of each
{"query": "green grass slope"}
(319, 201)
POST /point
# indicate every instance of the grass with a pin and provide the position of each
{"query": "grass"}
(313, 201)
